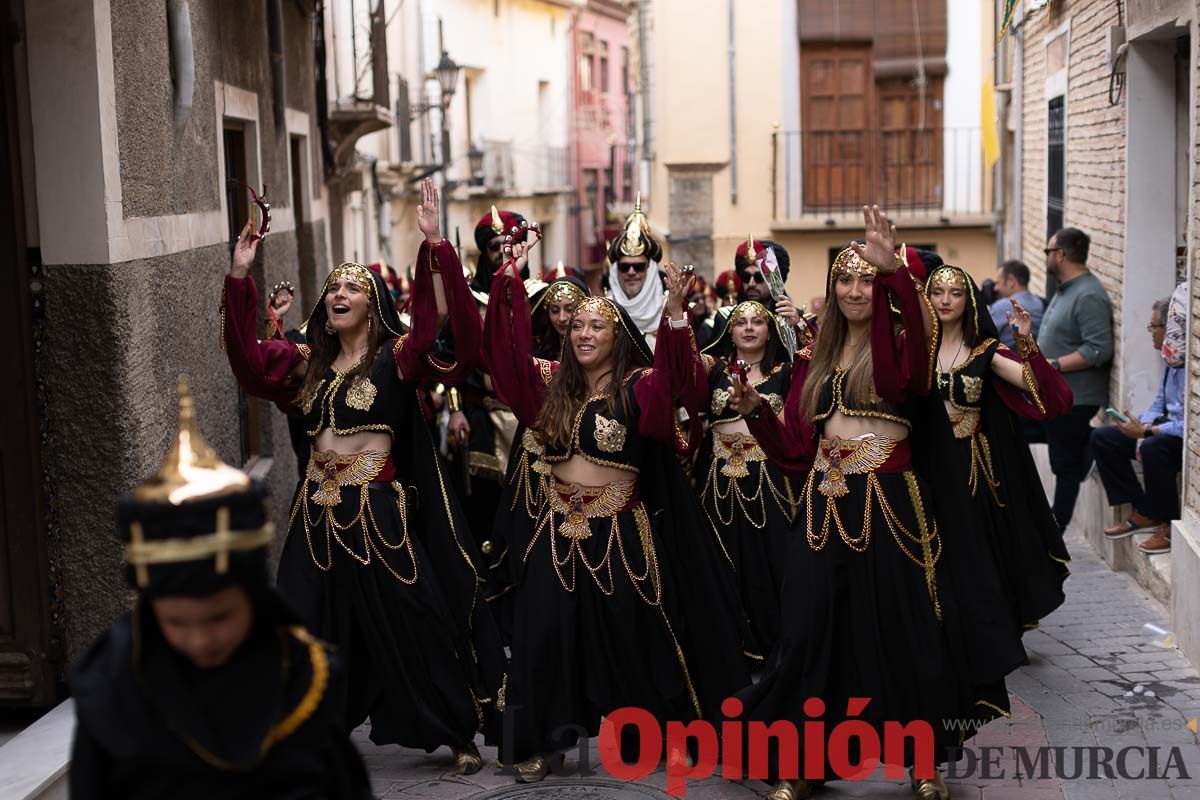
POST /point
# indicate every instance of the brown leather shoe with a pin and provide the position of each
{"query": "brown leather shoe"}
(1160, 542)
(1135, 524)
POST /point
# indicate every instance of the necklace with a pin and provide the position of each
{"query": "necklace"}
(943, 374)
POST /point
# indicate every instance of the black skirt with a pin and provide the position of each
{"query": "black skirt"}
(868, 612)
(752, 514)
(593, 632)
(1019, 528)
(367, 586)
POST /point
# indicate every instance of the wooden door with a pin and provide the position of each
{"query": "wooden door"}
(910, 144)
(837, 95)
(27, 663)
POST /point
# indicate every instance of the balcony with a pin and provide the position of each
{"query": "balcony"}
(922, 178)
(522, 170)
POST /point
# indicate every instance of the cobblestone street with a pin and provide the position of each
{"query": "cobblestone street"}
(1098, 677)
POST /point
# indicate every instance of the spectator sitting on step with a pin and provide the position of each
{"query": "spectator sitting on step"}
(1012, 285)
(1156, 439)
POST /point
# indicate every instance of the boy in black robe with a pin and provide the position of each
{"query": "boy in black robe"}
(209, 687)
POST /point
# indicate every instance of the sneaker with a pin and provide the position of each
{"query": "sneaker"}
(1160, 542)
(1135, 524)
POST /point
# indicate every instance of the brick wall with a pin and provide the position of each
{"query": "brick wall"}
(1192, 455)
(1095, 146)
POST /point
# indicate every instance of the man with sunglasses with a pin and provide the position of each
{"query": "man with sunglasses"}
(749, 268)
(1077, 339)
(633, 275)
(489, 239)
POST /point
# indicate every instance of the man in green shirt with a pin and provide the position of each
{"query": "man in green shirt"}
(1077, 338)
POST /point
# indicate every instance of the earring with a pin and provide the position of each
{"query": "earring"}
(329, 327)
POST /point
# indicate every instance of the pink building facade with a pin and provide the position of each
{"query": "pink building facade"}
(602, 129)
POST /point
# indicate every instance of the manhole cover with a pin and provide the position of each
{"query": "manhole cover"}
(583, 789)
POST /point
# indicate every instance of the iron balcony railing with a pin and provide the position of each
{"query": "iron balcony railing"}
(819, 174)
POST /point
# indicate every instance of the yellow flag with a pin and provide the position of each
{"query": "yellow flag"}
(987, 113)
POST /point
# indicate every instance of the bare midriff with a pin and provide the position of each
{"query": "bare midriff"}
(846, 427)
(578, 469)
(731, 427)
(375, 441)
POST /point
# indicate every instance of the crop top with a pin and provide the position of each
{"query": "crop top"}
(602, 436)
(833, 400)
(962, 386)
(773, 388)
(372, 402)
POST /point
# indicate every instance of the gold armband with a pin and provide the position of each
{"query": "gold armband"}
(1026, 345)
(453, 401)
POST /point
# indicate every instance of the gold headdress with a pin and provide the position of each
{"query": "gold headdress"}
(192, 470)
(633, 243)
(564, 292)
(602, 306)
(848, 262)
(355, 273)
(191, 474)
(948, 278)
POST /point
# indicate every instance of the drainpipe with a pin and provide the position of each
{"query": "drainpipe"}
(1016, 236)
(275, 46)
(733, 174)
(183, 62)
(644, 68)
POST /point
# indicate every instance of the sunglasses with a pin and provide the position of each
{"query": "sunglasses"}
(755, 277)
(494, 247)
(627, 266)
(1049, 250)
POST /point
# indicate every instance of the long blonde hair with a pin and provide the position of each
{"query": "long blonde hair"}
(858, 389)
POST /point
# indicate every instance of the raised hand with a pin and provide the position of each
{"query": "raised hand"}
(880, 236)
(787, 311)
(520, 257)
(679, 284)
(743, 397)
(429, 212)
(1020, 319)
(243, 252)
(282, 303)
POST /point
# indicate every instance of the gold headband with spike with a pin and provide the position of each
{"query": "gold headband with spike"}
(497, 223)
(751, 253)
(632, 242)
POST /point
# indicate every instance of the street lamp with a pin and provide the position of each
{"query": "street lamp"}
(446, 74)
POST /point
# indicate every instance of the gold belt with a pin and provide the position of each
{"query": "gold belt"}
(838, 457)
(331, 471)
(964, 422)
(736, 450)
(579, 503)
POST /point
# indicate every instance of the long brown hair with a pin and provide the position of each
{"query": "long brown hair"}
(326, 346)
(568, 391)
(858, 390)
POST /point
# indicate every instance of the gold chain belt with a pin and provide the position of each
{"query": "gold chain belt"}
(331, 471)
(579, 503)
(838, 457)
(736, 450)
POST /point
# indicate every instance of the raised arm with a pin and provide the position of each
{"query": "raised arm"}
(439, 291)
(904, 358)
(269, 369)
(520, 379)
(1028, 384)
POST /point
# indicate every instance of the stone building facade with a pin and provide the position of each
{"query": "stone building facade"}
(1097, 105)
(126, 118)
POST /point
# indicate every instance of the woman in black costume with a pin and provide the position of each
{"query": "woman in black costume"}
(984, 387)
(873, 594)
(621, 599)
(750, 500)
(378, 559)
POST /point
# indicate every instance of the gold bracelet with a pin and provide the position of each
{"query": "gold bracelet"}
(1026, 345)
(453, 401)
